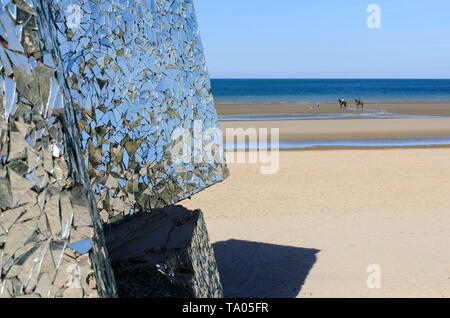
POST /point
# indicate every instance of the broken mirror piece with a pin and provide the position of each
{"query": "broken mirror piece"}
(44, 187)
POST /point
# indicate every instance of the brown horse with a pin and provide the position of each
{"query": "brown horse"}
(358, 103)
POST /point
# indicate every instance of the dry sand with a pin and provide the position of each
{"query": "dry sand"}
(313, 228)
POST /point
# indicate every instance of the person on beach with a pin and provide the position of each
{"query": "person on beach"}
(342, 102)
(317, 106)
(358, 103)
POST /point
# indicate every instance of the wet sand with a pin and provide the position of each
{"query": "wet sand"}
(349, 128)
(438, 125)
(332, 108)
(313, 228)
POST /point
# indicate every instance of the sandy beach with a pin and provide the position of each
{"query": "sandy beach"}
(313, 228)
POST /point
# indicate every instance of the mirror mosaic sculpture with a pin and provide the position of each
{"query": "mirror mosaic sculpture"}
(96, 99)
(51, 238)
(137, 75)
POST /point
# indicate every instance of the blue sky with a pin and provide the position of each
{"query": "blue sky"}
(325, 38)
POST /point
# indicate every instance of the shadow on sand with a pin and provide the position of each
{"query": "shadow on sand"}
(253, 270)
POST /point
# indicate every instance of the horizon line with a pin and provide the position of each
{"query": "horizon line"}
(329, 78)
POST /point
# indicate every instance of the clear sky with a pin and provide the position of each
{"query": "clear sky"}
(325, 38)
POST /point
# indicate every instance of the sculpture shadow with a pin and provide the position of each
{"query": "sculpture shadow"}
(259, 270)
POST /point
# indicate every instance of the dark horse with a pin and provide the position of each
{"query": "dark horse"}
(358, 103)
(342, 102)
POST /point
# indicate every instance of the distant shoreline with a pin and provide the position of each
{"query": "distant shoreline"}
(300, 121)
(328, 79)
(406, 108)
(244, 102)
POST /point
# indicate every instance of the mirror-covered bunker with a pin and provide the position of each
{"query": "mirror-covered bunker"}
(107, 120)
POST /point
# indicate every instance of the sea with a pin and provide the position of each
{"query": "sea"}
(235, 91)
